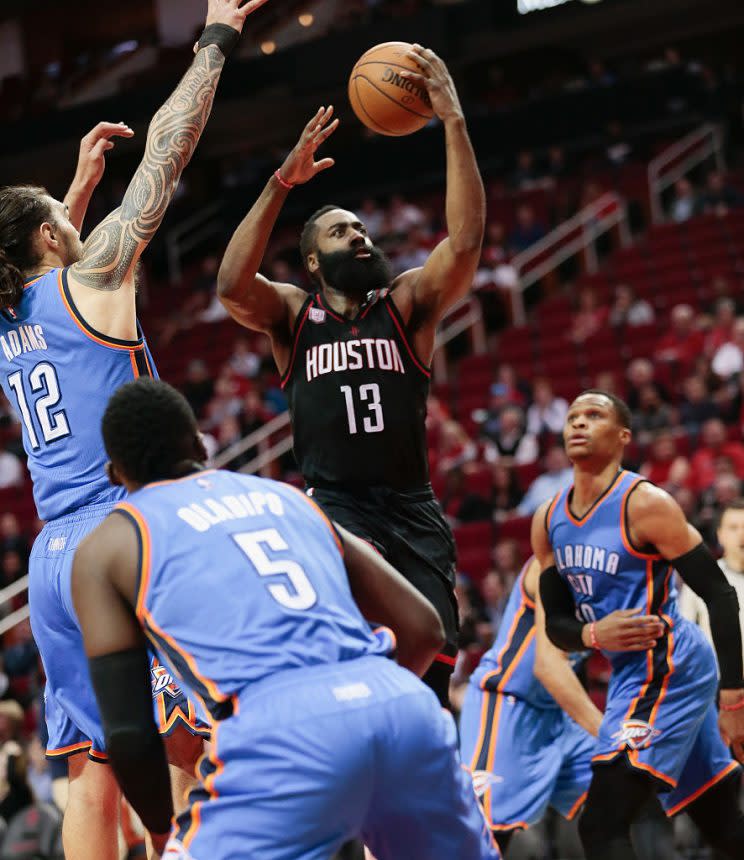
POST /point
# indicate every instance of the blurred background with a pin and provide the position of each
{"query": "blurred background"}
(609, 134)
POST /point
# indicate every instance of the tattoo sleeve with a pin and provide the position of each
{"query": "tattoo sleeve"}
(115, 244)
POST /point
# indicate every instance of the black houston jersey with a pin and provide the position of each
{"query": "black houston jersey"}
(357, 397)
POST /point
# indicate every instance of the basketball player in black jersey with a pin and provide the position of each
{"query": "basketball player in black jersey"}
(354, 355)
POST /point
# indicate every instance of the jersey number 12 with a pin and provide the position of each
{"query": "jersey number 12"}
(53, 423)
(370, 394)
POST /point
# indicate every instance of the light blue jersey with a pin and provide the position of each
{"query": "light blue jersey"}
(249, 562)
(523, 752)
(58, 373)
(661, 710)
(244, 592)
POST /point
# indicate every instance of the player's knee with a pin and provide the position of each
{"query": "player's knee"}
(93, 787)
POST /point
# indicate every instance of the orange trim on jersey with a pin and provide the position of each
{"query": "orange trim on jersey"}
(491, 756)
(551, 509)
(97, 755)
(481, 729)
(33, 281)
(146, 557)
(509, 636)
(650, 651)
(517, 657)
(391, 634)
(87, 331)
(219, 767)
(597, 504)
(571, 814)
(144, 615)
(414, 358)
(323, 515)
(730, 768)
(290, 367)
(82, 746)
(607, 756)
(526, 599)
(670, 672)
(133, 360)
(623, 518)
(635, 762)
(518, 825)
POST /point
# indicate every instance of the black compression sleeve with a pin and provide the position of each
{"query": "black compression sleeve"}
(135, 749)
(561, 625)
(700, 571)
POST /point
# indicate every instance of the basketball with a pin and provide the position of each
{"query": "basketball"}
(382, 99)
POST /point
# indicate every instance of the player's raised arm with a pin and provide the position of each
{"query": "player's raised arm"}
(553, 667)
(382, 594)
(251, 299)
(104, 577)
(655, 518)
(448, 273)
(115, 245)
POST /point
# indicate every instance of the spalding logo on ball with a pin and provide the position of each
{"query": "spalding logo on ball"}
(384, 100)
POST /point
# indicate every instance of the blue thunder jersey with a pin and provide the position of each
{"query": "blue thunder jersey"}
(508, 666)
(58, 374)
(241, 578)
(605, 571)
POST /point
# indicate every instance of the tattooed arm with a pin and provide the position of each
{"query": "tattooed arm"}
(113, 248)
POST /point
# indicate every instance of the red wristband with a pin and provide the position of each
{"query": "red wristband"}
(737, 707)
(282, 181)
(593, 635)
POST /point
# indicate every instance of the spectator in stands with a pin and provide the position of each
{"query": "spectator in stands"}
(458, 503)
(21, 659)
(511, 443)
(495, 598)
(662, 455)
(728, 359)
(11, 537)
(495, 267)
(517, 390)
(641, 373)
(198, 387)
(687, 500)
(202, 291)
(651, 416)
(589, 317)
(697, 406)
(547, 413)
(506, 493)
(253, 412)
(685, 202)
(683, 343)
(39, 775)
(224, 402)
(527, 230)
(404, 215)
(455, 447)
(526, 175)
(607, 381)
(722, 326)
(714, 444)
(229, 433)
(557, 476)
(11, 470)
(15, 793)
(508, 561)
(628, 310)
(719, 197)
(11, 721)
(412, 252)
(243, 361)
(618, 148)
(725, 489)
(374, 218)
(557, 166)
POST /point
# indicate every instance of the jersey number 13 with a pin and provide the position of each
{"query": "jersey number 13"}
(373, 421)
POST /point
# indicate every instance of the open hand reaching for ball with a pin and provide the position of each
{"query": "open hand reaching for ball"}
(300, 165)
(435, 77)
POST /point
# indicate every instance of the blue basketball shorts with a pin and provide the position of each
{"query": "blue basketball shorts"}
(73, 721)
(661, 713)
(316, 756)
(523, 759)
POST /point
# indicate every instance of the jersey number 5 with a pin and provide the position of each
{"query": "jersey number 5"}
(299, 594)
(370, 394)
(53, 424)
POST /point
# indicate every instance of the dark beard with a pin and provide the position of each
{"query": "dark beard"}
(343, 271)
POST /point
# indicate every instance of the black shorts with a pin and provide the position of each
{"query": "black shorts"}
(410, 531)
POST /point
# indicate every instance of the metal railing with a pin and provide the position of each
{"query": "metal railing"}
(189, 234)
(7, 594)
(679, 159)
(573, 236)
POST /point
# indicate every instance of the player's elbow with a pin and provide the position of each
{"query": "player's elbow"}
(225, 284)
(427, 638)
(468, 242)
